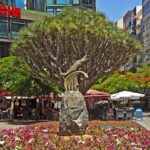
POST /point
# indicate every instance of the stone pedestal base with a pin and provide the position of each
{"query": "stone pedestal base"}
(73, 117)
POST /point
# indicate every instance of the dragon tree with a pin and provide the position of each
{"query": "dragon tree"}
(84, 38)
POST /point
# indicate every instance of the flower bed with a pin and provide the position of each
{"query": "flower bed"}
(105, 135)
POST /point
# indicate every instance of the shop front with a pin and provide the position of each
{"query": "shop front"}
(28, 108)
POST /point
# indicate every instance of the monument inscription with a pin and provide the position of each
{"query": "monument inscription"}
(72, 102)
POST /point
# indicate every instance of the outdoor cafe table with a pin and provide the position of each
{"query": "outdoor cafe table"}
(124, 112)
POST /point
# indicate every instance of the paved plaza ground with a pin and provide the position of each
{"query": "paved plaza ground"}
(145, 123)
(15, 124)
(146, 120)
(6, 125)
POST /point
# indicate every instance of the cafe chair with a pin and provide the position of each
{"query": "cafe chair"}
(119, 114)
(129, 114)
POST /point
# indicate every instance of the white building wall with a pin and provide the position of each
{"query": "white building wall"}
(25, 4)
(119, 23)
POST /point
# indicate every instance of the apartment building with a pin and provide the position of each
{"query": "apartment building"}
(132, 25)
(146, 31)
(138, 24)
(132, 19)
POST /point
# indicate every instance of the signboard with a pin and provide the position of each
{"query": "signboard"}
(10, 11)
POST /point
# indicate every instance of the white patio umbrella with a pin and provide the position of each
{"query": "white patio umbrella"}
(125, 95)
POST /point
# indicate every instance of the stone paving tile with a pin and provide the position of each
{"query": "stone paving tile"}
(145, 122)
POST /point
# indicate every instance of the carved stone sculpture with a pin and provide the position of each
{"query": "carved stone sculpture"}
(73, 117)
(70, 77)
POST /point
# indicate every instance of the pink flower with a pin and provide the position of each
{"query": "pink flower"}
(28, 136)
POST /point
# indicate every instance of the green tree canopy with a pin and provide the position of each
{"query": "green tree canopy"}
(128, 81)
(53, 45)
(15, 76)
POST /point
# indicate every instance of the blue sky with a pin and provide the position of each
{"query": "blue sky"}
(116, 9)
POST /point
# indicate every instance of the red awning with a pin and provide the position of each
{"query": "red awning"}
(5, 93)
(97, 94)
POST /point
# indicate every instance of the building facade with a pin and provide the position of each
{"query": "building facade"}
(138, 24)
(50, 6)
(55, 6)
(130, 20)
(10, 25)
(146, 31)
(12, 19)
(132, 25)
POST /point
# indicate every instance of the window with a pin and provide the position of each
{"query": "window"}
(58, 10)
(76, 2)
(37, 5)
(60, 2)
(88, 2)
(50, 11)
(7, 2)
(16, 26)
(3, 27)
(20, 3)
(4, 52)
(3, 2)
(49, 2)
(127, 22)
(143, 1)
(146, 9)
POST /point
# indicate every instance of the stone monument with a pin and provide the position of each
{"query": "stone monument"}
(73, 117)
